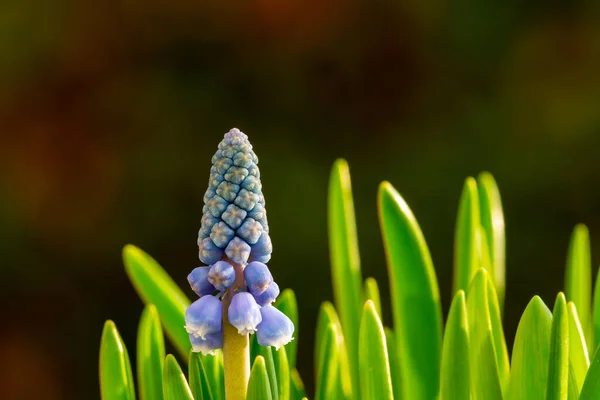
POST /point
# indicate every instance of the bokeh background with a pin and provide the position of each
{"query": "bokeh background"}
(110, 112)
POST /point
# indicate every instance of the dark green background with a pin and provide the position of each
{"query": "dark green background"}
(110, 111)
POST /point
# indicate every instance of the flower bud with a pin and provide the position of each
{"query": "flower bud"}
(199, 283)
(258, 277)
(244, 313)
(221, 275)
(204, 316)
(212, 342)
(268, 296)
(275, 329)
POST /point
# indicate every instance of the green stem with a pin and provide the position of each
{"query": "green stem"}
(236, 347)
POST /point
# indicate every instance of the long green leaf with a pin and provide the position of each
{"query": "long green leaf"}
(116, 379)
(213, 365)
(258, 385)
(150, 355)
(531, 352)
(328, 361)
(282, 368)
(375, 379)
(573, 393)
(175, 386)
(345, 260)
(371, 292)
(198, 379)
(267, 353)
(297, 391)
(455, 380)
(578, 279)
(596, 333)
(485, 378)
(392, 349)
(155, 286)
(287, 304)
(498, 336)
(558, 365)
(466, 248)
(328, 316)
(578, 352)
(415, 296)
(492, 221)
(591, 386)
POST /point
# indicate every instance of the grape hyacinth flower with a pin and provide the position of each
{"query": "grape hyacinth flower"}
(235, 245)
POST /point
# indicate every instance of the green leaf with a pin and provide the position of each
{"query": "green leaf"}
(455, 382)
(267, 354)
(282, 369)
(498, 336)
(578, 352)
(213, 365)
(392, 349)
(415, 296)
(345, 260)
(573, 389)
(531, 352)
(596, 333)
(175, 387)
(591, 386)
(150, 355)
(466, 248)
(328, 316)
(155, 286)
(258, 385)
(199, 383)
(286, 303)
(374, 367)
(371, 292)
(578, 279)
(328, 366)
(297, 391)
(485, 378)
(558, 365)
(492, 221)
(116, 380)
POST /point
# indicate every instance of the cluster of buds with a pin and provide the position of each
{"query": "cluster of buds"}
(234, 242)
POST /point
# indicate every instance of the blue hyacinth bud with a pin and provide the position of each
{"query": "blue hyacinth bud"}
(234, 218)
(209, 253)
(204, 316)
(198, 280)
(258, 277)
(268, 296)
(275, 329)
(213, 341)
(244, 313)
(221, 275)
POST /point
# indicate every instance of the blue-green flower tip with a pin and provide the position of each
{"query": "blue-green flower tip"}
(275, 329)
(234, 215)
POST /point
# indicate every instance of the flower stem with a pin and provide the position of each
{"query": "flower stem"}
(236, 347)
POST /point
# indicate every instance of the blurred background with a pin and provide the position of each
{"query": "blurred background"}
(110, 112)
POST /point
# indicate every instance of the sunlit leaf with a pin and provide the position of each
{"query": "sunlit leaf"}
(287, 304)
(282, 369)
(267, 354)
(327, 385)
(501, 351)
(414, 294)
(258, 385)
(297, 386)
(466, 249)
(394, 362)
(198, 379)
(578, 352)
(150, 355)
(371, 292)
(558, 366)
(213, 365)
(116, 379)
(591, 386)
(175, 386)
(455, 379)
(155, 286)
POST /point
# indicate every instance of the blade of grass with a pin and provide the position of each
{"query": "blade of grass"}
(375, 379)
(267, 354)
(213, 365)
(492, 221)
(287, 304)
(573, 389)
(578, 278)
(150, 355)
(175, 387)
(596, 317)
(531, 352)
(558, 365)
(485, 378)
(155, 286)
(415, 296)
(345, 260)
(116, 379)
(466, 249)
(455, 383)
(327, 377)
(328, 316)
(198, 378)
(258, 385)
(282, 369)
(392, 349)
(297, 391)
(578, 352)
(498, 336)
(591, 386)
(371, 292)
